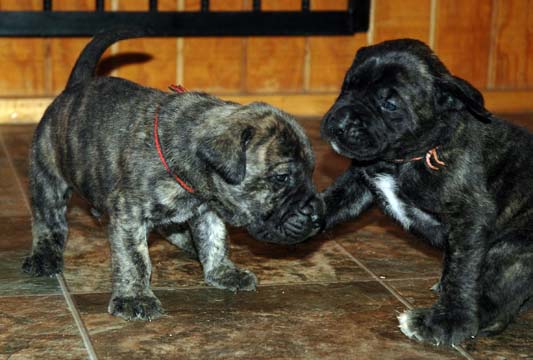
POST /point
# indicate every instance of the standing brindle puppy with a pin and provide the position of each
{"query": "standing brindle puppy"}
(426, 150)
(108, 139)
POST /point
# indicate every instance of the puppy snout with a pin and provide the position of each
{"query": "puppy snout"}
(343, 113)
(317, 216)
(335, 121)
(352, 132)
(313, 210)
(343, 122)
(306, 210)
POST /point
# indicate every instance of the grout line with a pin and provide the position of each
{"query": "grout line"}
(59, 277)
(204, 287)
(462, 351)
(180, 6)
(492, 61)
(433, 23)
(48, 67)
(244, 66)
(77, 319)
(244, 55)
(375, 277)
(114, 48)
(179, 61)
(17, 179)
(306, 69)
(371, 25)
(23, 295)
(396, 294)
(347, 281)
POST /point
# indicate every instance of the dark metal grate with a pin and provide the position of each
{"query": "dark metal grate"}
(205, 22)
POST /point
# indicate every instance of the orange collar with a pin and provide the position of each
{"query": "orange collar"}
(430, 155)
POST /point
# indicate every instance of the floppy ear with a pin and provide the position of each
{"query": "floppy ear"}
(458, 94)
(227, 154)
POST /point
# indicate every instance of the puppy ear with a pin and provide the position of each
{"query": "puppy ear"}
(226, 155)
(458, 94)
(362, 52)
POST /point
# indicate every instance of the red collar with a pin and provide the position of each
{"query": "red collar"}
(177, 88)
(183, 184)
(431, 154)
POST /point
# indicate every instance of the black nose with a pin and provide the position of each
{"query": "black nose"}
(313, 208)
(340, 119)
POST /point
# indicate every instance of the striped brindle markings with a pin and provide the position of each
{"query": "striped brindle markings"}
(246, 165)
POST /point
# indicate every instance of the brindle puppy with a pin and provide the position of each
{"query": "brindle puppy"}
(246, 165)
(427, 151)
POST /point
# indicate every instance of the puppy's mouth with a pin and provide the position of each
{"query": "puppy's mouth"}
(283, 234)
(292, 227)
(351, 142)
(365, 150)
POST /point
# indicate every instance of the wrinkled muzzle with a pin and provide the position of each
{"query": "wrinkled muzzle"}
(297, 221)
(345, 128)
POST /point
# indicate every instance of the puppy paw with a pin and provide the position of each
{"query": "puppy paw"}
(136, 308)
(232, 278)
(43, 265)
(436, 288)
(437, 327)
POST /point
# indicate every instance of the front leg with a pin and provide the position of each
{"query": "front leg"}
(209, 235)
(346, 198)
(132, 296)
(455, 315)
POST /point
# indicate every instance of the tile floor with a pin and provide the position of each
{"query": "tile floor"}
(336, 297)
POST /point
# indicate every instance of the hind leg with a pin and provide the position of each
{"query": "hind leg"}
(49, 196)
(507, 284)
(180, 236)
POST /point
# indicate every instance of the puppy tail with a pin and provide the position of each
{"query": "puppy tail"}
(85, 67)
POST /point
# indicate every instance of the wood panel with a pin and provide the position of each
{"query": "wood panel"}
(21, 5)
(512, 55)
(500, 57)
(74, 5)
(160, 70)
(462, 38)
(276, 64)
(529, 56)
(394, 19)
(331, 56)
(214, 64)
(191, 5)
(29, 110)
(23, 59)
(65, 51)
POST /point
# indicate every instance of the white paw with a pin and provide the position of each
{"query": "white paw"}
(405, 320)
(408, 325)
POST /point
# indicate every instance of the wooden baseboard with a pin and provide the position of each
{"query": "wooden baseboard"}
(30, 110)
(22, 110)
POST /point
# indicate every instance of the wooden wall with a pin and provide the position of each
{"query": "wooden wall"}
(488, 42)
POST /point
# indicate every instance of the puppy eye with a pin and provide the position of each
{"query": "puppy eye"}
(389, 104)
(281, 178)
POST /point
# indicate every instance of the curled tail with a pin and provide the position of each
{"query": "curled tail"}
(85, 67)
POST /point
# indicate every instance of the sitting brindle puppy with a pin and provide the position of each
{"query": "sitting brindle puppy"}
(426, 150)
(179, 163)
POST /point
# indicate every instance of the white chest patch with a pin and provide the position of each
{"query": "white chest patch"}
(336, 148)
(386, 185)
